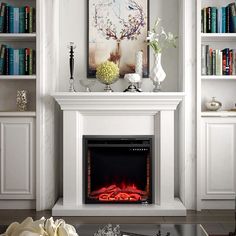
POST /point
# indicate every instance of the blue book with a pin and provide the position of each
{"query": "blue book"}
(213, 20)
(22, 20)
(219, 30)
(16, 20)
(11, 61)
(16, 62)
(223, 9)
(21, 61)
(11, 19)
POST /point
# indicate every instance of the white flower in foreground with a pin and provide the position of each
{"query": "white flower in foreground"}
(40, 227)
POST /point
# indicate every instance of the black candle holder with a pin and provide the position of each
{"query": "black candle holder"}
(71, 46)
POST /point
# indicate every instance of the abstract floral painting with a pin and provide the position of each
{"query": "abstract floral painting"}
(117, 29)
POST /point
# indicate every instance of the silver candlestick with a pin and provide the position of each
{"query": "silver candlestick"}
(71, 46)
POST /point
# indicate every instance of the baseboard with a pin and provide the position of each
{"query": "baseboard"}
(218, 204)
(17, 204)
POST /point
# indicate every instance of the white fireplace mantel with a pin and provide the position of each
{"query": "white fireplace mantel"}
(118, 114)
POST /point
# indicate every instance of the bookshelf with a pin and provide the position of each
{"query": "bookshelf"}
(9, 84)
(216, 130)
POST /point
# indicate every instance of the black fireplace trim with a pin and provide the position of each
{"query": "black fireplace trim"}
(86, 138)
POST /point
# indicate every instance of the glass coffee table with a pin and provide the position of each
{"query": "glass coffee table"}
(142, 230)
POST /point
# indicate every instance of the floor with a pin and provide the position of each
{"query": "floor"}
(215, 221)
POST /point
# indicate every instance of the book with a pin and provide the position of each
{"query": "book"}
(22, 20)
(16, 20)
(205, 20)
(11, 19)
(21, 61)
(219, 18)
(227, 19)
(232, 23)
(234, 62)
(208, 24)
(30, 61)
(31, 20)
(16, 62)
(2, 59)
(6, 69)
(6, 26)
(27, 53)
(2, 16)
(11, 61)
(213, 20)
(213, 62)
(218, 62)
(226, 62)
(223, 11)
(27, 12)
(203, 60)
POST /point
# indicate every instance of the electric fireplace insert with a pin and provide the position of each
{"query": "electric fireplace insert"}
(117, 169)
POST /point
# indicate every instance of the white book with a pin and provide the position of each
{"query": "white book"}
(203, 60)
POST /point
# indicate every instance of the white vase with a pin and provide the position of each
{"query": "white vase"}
(158, 75)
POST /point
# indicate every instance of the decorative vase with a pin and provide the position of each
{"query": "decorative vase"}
(22, 100)
(158, 75)
(133, 79)
(213, 105)
(71, 62)
(107, 82)
(139, 68)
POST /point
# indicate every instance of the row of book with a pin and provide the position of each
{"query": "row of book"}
(219, 20)
(17, 20)
(17, 61)
(218, 62)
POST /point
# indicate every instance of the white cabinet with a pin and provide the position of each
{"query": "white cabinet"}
(218, 155)
(17, 158)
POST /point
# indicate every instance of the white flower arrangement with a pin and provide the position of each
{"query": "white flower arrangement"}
(158, 39)
(40, 227)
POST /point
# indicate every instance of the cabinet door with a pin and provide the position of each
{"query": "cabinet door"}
(218, 158)
(17, 158)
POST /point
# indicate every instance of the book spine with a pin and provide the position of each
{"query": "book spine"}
(22, 20)
(11, 61)
(232, 17)
(2, 58)
(21, 61)
(213, 62)
(218, 62)
(31, 20)
(27, 11)
(11, 19)
(219, 30)
(234, 61)
(223, 10)
(205, 20)
(16, 62)
(6, 27)
(227, 19)
(7, 62)
(226, 63)
(31, 62)
(208, 19)
(27, 53)
(16, 20)
(2, 16)
(231, 62)
(202, 20)
(203, 60)
(213, 20)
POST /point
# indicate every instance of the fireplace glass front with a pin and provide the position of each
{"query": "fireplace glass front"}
(117, 169)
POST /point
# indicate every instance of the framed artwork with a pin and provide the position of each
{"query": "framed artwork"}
(117, 29)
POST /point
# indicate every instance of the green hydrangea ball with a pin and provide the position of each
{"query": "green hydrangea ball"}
(107, 72)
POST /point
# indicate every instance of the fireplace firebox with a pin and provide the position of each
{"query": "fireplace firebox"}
(117, 169)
